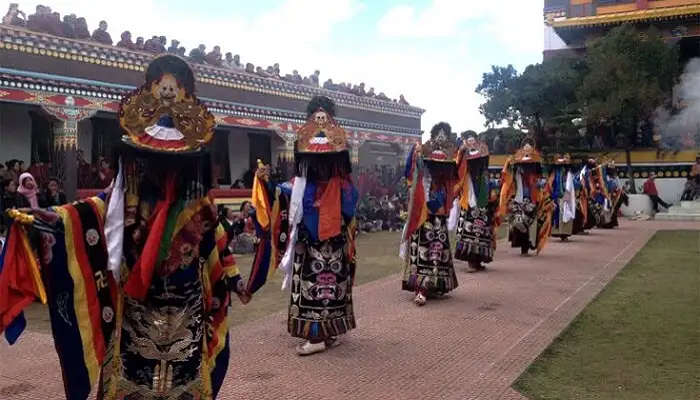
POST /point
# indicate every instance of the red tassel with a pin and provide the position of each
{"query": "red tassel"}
(142, 272)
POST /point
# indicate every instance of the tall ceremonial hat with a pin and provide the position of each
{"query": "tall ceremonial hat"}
(474, 148)
(562, 159)
(321, 134)
(164, 115)
(321, 149)
(527, 154)
(442, 145)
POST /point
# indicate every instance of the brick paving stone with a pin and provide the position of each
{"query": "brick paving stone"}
(471, 344)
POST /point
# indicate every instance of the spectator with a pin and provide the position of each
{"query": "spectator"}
(250, 68)
(101, 35)
(28, 189)
(199, 54)
(152, 45)
(315, 77)
(10, 199)
(245, 240)
(139, 45)
(81, 29)
(68, 26)
(174, 45)
(227, 220)
(181, 52)
(214, 57)
(14, 169)
(651, 191)
(52, 196)
(13, 16)
(105, 174)
(126, 41)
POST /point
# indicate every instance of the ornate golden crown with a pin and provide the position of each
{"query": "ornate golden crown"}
(442, 146)
(473, 147)
(163, 114)
(562, 159)
(321, 134)
(527, 154)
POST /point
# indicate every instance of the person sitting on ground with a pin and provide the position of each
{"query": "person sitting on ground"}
(126, 41)
(52, 196)
(199, 54)
(651, 191)
(245, 240)
(101, 35)
(81, 29)
(15, 16)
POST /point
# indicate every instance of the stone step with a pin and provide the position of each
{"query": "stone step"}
(677, 215)
(693, 205)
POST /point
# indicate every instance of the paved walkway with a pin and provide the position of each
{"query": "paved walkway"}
(470, 345)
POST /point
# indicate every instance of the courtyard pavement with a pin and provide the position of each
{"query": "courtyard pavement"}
(471, 344)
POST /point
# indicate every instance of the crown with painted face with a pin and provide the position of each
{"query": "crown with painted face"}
(321, 134)
(527, 154)
(473, 147)
(562, 159)
(442, 146)
(163, 115)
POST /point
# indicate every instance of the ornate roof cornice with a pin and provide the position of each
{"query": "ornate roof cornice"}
(37, 43)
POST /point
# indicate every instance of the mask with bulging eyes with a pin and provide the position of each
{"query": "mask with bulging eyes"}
(321, 118)
(167, 90)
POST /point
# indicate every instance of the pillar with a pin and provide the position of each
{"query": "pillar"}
(66, 143)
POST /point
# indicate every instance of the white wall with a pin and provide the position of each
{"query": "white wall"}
(15, 133)
(670, 189)
(552, 41)
(238, 152)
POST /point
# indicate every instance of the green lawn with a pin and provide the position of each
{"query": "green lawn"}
(378, 256)
(639, 339)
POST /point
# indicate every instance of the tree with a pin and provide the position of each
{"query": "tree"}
(630, 74)
(542, 99)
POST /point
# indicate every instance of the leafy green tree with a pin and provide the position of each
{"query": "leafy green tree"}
(630, 74)
(541, 99)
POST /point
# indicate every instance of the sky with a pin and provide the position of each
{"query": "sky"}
(434, 52)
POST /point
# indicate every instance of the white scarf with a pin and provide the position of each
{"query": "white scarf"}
(569, 199)
(114, 225)
(296, 213)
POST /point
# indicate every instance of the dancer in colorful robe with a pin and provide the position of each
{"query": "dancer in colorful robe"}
(529, 208)
(432, 172)
(580, 188)
(596, 197)
(313, 231)
(476, 236)
(615, 196)
(138, 287)
(563, 194)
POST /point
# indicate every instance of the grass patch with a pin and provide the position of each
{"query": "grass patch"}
(639, 339)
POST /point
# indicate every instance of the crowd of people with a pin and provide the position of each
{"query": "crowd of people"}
(73, 27)
(19, 189)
